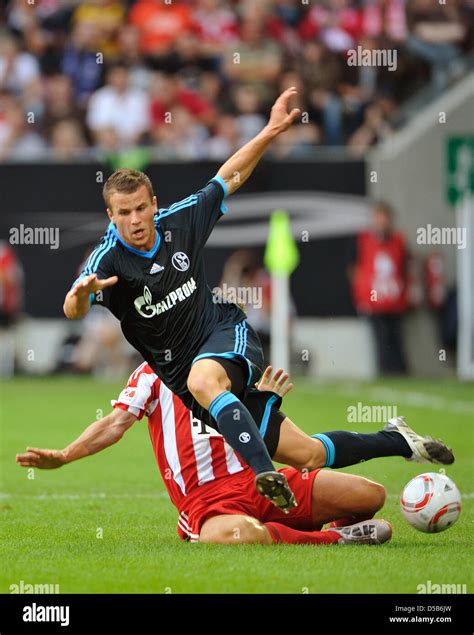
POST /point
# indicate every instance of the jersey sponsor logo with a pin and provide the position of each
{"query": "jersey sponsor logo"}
(144, 303)
(156, 268)
(244, 437)
(180, 261)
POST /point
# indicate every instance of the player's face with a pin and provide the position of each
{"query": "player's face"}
(132, 214)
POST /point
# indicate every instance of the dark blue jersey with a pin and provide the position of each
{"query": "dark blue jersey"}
(165, 307)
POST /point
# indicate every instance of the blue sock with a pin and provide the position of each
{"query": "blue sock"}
(348, 448)
(238, 428)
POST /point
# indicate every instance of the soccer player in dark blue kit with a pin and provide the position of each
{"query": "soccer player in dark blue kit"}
(148, 270)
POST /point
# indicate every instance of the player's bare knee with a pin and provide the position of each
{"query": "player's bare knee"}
(373, 496)
(204, 388)
(378, 495)
(311, 457)
(367, 497)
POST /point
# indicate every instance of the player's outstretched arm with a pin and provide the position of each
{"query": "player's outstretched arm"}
(98, 436)
(240, 166)
(77, 304)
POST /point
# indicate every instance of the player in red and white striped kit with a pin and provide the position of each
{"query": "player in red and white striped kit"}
(213, 489)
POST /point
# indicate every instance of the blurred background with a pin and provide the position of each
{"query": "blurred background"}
(383, 155)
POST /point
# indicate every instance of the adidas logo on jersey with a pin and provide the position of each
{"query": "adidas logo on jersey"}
(156, 268)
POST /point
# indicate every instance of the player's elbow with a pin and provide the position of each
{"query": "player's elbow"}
(120, 422)
(374, 495)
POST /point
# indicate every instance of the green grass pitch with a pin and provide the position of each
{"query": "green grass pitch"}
(50, 524)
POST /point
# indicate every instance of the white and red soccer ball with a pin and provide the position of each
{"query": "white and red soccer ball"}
(431, 502)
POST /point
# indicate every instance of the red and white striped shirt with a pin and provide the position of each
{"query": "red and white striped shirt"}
(188, 453)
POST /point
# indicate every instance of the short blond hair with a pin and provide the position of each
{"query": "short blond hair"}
(126, 181)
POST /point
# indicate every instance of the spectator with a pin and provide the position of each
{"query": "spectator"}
(159, 24)
(102, 350)
(385, 18)
(215, 26)
(107, 17)
(80, 61)
(249, 121)
(187, 57)
(466, 9)
(169, 91)
(225, 140)
(59, 102)
(320, 73)
(11, 304)
(67, 140)
(378, 277)
(18, 139)
(283, 23)
(254, 60)
(211, 89)
(21, 16)
(319, 67)
(230, 56)
(117, 115)
(376, 126)
(129, 53)
(11, 285)
(297, 142)
(18, 70)
(436, 35)
(337, 24)
(181, 138)
(47, 14)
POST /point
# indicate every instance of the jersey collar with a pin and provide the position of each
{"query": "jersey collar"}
(144, 254)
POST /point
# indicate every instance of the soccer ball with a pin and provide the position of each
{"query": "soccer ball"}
(431, 502)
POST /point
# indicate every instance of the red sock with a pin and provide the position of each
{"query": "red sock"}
(342, 522)
(345, 522)
(284, 534)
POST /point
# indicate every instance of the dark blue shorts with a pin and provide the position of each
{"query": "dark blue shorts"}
(238, 342)
(238, 348)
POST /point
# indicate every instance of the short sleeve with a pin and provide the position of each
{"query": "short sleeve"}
(100, 263)
(140, 395)
(202, 210)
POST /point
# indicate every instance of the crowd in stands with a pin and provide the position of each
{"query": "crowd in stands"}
(195, 79)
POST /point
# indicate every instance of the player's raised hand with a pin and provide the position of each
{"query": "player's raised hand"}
(91, 284)
(280, 118)
(42, 459)
(275, 383)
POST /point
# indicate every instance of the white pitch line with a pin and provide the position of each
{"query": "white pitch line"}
(392, 395)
